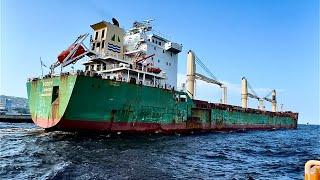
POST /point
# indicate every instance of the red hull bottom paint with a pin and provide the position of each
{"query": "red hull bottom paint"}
(46, 123)
(112, 127)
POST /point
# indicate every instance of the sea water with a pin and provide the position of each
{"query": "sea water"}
(29, 152)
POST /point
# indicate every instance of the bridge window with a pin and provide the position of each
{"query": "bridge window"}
(102, 35)
(93, 44)
(102, 45)
(96, 37)
(98, 44)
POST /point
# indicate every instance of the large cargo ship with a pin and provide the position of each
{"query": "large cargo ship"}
(129, 84)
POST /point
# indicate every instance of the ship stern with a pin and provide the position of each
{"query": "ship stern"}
(48, 98)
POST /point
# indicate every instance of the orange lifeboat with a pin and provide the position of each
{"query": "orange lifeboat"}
(62, 56)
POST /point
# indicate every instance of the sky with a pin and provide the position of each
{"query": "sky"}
(273, 43)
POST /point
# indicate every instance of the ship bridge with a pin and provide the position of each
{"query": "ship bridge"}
(139, 55)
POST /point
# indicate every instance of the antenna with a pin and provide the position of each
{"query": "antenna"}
(41, 67)
(148, 21)
(42, 64)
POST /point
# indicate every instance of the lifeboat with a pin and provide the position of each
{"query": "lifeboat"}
(154, 70)
(62, 56)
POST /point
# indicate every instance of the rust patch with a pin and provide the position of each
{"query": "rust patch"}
(194, 123)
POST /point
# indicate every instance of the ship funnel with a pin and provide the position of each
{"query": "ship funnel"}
(115, 22)
(244, 93)
(191, 69)
(274, 101)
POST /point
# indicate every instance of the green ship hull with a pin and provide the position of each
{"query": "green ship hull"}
(79, 102)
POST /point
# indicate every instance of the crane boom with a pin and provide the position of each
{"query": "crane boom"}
(192, 75)
(253, 96)
(272, 100)
(252, 90)
(206, 79)
(268, 99)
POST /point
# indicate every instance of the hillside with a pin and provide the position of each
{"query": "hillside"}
(18, 104)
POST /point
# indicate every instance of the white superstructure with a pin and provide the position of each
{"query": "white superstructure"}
(138, 55)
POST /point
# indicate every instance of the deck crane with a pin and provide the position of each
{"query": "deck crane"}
(252, 94)
(273, 100)
(192, 75)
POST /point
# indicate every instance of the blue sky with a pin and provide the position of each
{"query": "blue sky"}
(274, 43)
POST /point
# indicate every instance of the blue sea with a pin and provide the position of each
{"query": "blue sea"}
(29, 152)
